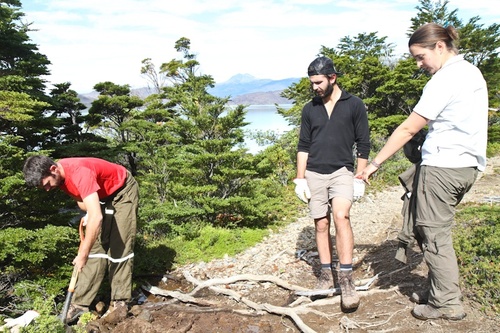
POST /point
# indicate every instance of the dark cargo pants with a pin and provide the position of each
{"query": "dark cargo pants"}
(439, 191)
(113, 250)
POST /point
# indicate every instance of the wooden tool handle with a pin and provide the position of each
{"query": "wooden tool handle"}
(72, 282)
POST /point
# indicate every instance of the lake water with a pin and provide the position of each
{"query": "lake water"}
(264, 118)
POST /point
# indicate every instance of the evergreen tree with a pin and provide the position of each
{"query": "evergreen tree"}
(108, 113)
(201, 174)
(24, 126)
(73, 137)
(434, 11)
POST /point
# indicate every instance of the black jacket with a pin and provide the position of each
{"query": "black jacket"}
(330, 141)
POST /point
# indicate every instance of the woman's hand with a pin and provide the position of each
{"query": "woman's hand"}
(366, 173)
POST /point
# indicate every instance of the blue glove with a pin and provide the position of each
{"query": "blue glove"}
(302, 189)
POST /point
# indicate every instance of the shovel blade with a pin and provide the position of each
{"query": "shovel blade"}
(65, 309)
(69, 295)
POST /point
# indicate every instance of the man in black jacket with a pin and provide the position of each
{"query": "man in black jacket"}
(331, 125)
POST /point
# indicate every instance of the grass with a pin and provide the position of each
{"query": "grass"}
(216, 243)
(477, 244)
(155, 257)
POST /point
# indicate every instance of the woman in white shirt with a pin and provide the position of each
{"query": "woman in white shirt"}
(454, 105)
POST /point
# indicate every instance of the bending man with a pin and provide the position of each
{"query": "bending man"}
(109, 194)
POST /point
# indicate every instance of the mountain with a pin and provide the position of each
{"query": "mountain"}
(242, 84)
(241, 88)
(260, 98)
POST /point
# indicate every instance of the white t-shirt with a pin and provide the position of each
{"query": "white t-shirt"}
(455, 100)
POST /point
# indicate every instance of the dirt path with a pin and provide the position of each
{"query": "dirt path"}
(376, 220)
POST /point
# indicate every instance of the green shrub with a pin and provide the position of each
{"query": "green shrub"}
(477, 244)
(31, 296)
(37, 250)
(41, 257)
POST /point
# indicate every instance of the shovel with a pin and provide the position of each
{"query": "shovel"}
(69, 295)
(72, 282)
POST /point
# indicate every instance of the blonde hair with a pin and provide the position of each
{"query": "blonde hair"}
(429, 34)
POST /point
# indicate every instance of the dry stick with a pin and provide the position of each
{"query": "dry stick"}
(185, 298)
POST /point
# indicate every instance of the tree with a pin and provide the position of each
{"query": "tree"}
(73, 137)
(156, 79)
(18, 56)
(365, 63)
(23, 125)
(434, 11)
(208, 173)
(114, 106)
(154, 145)
(481, 46)
(200, 174)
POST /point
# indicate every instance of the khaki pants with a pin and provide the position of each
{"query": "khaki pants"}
(115, 241)
(325, 187)
(439, 191)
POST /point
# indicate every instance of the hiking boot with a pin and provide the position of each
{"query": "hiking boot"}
(325, 280)
(74, 312)
(420, 297)
(116, 313)
(349, 297)
(427, 311)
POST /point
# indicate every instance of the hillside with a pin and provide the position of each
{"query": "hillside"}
(260, 98)
(241, 89)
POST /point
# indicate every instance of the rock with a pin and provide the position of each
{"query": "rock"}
(100, 308)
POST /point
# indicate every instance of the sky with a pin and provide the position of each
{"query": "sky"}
(92, 41)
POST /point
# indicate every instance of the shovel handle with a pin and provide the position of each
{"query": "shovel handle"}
(69, 294)
(72, 282)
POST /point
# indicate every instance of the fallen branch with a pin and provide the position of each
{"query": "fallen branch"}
(185, 298)
(289, 312)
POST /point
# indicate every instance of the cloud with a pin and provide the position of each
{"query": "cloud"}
(93, 41)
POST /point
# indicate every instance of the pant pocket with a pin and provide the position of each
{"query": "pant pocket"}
(429, 242)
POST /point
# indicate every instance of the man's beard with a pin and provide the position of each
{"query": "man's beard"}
(57, 180)
(327, 92)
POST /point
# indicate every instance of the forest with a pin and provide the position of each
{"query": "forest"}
(202, 194)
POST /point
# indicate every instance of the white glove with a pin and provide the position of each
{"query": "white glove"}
(22, 321)
(359, 189)
(302, 190)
